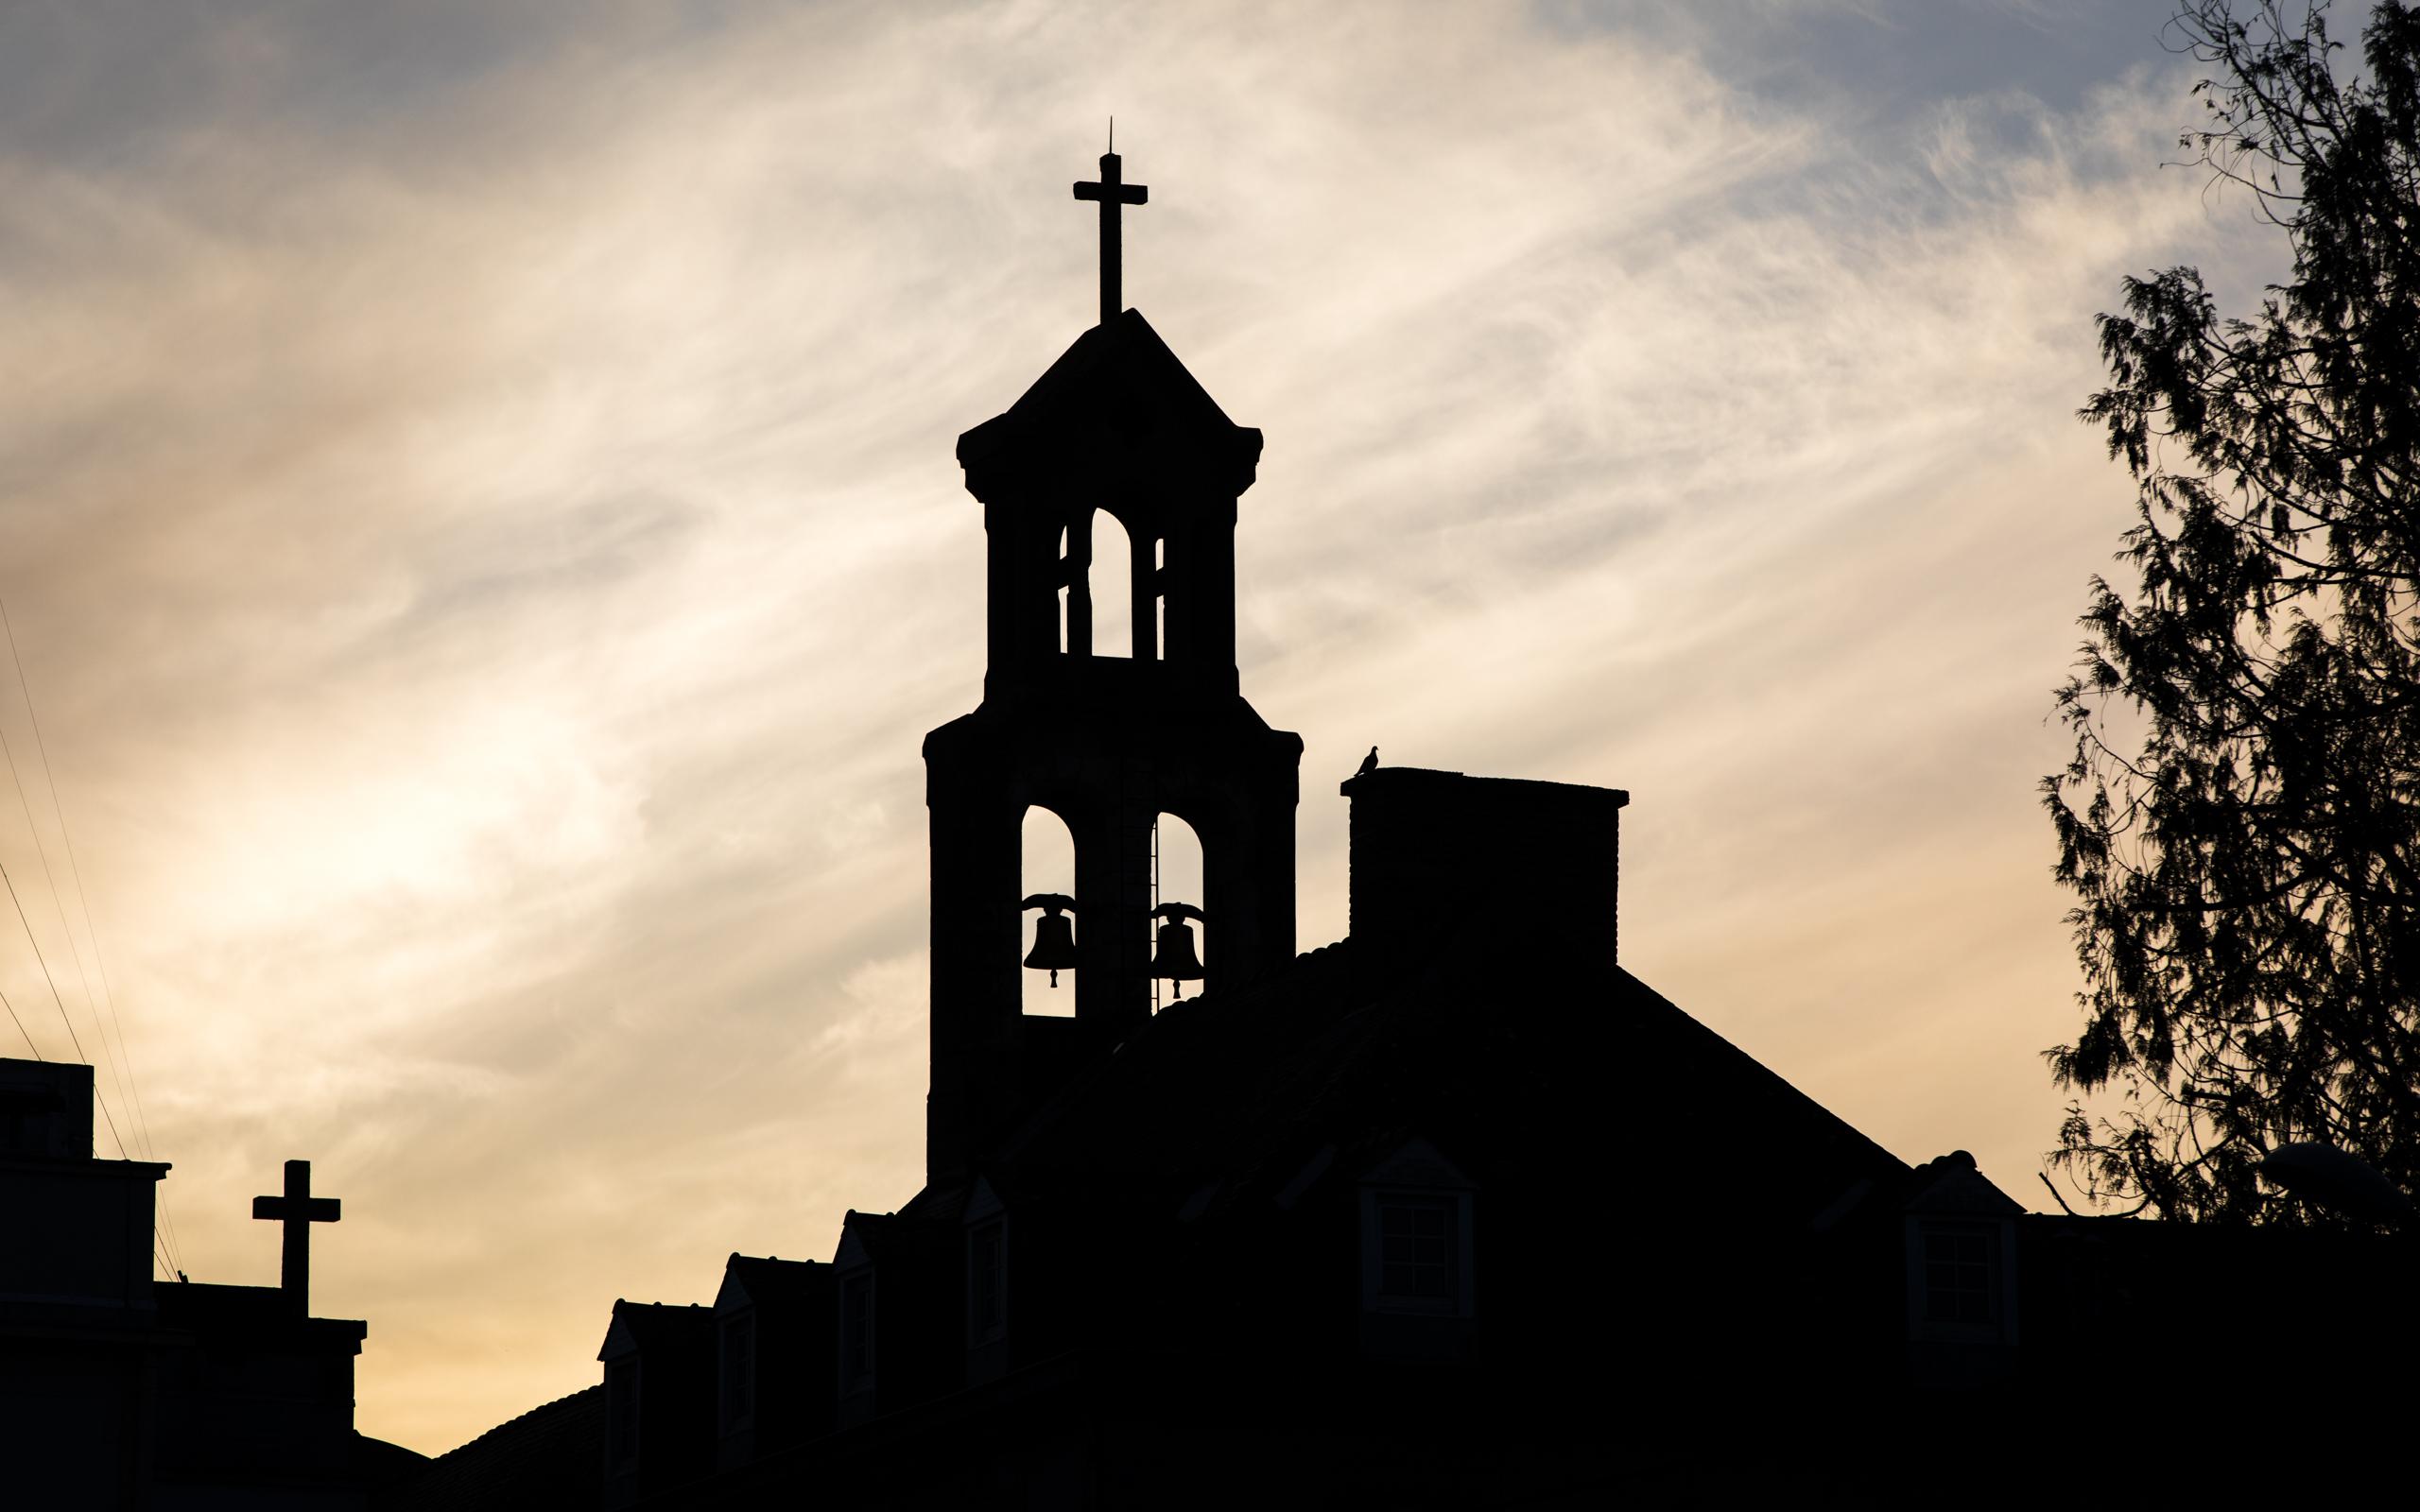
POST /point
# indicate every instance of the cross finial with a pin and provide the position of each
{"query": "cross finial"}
(1113, 193)
(298, 1210)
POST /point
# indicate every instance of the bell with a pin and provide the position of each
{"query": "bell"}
(1054, 936)
(1173, 958)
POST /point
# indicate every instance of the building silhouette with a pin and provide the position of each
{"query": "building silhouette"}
(117, 1390)
(1452, 1211)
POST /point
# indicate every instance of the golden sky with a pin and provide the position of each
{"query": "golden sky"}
(482, 528)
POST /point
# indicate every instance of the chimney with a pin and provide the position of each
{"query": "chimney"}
(1533, 865)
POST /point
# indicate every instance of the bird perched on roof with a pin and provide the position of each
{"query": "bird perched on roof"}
(1368, 763)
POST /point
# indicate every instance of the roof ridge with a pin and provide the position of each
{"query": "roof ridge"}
(589, 1389)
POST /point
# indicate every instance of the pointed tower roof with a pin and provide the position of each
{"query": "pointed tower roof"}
(1116, 406)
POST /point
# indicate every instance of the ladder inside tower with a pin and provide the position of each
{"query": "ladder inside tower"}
(1155, 900)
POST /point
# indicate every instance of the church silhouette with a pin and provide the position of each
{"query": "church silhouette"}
(1452, 1211)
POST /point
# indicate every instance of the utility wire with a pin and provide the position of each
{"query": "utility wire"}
(83, 903)
(109, 998)
(58, 906)
(93, 1004)
(110, 1118)
(21, 1025)
(106, 1116)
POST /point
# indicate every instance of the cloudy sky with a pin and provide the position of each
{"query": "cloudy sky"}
(482, 532)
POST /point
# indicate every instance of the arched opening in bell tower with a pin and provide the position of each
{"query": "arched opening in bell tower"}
(1159, 597)
(1176, 879)
(1046, 863)
(1112, 584)
(1064, 644)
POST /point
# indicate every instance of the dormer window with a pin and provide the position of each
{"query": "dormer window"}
(738, 1370)
(1419, 1243)
(1962, 1270)
(621, 1415)
(987, 1281)
(856, 1333)
(1417, 1300)
(1960, 1285)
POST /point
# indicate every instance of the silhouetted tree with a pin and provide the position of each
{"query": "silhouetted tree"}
(2241, 820)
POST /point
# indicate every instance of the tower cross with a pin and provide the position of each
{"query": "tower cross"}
(298, 1210)
(1113, 193)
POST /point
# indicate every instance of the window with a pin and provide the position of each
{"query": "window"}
(1418, 1252)
(1417, 1259)
(1959, 1285)
(856, 1333)
(622, 1414)
(738, 1370)
(987, 1278)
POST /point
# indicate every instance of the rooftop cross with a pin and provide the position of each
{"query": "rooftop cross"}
(299, 1210)
(1113, 192)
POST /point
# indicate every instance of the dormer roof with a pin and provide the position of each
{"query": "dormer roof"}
(1952, 1185)
(1117, 407)
(764, 1281)
(656, 1328)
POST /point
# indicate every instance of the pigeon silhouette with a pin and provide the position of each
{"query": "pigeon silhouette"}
(1368, 763)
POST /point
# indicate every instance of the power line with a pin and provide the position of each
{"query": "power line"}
(83, 901)
(158, 1243)
(106, 1114)
(72, 1039)
(58, 906)
(91, 1003)
(21, 1025)
(109, 998)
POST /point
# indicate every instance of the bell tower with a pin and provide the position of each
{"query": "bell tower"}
(1108, 742)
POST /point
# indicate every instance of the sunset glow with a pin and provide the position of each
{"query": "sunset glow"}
(485, 542)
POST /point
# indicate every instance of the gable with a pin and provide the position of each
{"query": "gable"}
(732, 1296)
(619, 1341)
(851, 1252)
(1952, 1186)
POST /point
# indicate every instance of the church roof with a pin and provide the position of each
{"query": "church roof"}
(1117, 404)
(550, 1455)
(1232, 1101)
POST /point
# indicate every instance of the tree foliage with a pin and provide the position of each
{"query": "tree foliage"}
(2240, 823)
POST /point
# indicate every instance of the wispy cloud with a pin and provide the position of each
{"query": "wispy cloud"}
(483, 526)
